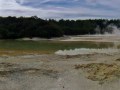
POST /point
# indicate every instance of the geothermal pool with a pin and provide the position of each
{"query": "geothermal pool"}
(94, 64)
(109, 38)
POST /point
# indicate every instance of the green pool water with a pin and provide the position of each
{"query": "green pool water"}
(50, 45)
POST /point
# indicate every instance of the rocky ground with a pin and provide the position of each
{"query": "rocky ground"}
(54, 72)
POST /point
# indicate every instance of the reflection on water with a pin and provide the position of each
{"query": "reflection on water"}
(116, 44)
(108, 45)
(54, 45)
(101, 48)
(90, 47)
(83, 51)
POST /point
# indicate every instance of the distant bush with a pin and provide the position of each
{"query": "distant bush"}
(12, 27)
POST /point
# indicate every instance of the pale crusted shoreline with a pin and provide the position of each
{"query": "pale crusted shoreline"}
(54, 72)
(94, 38)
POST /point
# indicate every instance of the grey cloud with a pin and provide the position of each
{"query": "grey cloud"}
(15, 8)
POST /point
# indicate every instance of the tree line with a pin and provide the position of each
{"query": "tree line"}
(14, 28)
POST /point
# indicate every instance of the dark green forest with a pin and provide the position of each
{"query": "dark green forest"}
(14, 28)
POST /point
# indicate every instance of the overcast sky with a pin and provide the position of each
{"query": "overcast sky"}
(58, 9)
